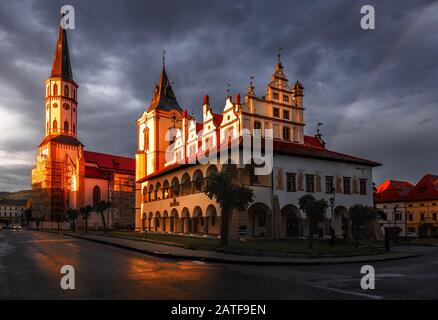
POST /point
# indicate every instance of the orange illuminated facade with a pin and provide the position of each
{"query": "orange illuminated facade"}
(65, 175)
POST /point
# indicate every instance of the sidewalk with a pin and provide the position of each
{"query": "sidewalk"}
(174, 252)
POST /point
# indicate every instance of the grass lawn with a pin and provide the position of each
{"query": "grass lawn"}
(283, 247)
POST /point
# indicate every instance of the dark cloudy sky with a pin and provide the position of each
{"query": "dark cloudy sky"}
(375, 91)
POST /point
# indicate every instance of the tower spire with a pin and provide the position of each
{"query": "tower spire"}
(279, 54)
(164, 98)
(61, 66)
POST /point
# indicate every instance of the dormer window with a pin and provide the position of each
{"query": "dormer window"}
(275, 95)
(286, 98)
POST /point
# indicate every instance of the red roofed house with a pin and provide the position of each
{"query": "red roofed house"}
(422, 207)
(65, 175)
(171, 171)
(390, 197)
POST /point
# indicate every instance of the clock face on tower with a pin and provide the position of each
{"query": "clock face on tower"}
(174, 118)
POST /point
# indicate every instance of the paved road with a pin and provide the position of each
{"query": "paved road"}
(30, 265)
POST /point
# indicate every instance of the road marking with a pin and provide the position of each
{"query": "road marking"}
(46, 240)
(390, 275)
(365, 295)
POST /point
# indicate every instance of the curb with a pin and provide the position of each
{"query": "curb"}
(169, 255)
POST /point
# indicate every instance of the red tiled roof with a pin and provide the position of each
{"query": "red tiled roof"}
(312, 141)
(425, 189)
(306, 150)
(93, 172)
(392, 191)
(309, 151)
(109, 161)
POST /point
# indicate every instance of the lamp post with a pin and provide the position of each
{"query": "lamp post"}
(332, 206)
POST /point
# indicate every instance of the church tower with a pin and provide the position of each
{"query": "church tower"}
(61, 93)
(58, 175)
(154, 127)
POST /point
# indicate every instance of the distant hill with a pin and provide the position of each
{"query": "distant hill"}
(18, 195)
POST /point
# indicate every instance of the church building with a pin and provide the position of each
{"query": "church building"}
(65, 174)
(170, 185)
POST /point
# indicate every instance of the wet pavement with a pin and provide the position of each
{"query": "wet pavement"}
(30, 264)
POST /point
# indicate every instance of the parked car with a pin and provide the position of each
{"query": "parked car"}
(411, 235)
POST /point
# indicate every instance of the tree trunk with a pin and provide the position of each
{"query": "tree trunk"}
(224, 226)
(356, 236)
(86, 225)
(74, 225)
(103, 221)
(310, 236)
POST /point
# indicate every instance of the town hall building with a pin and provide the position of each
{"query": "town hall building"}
(170, 185)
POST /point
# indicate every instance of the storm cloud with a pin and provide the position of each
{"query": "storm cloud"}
(374, 91)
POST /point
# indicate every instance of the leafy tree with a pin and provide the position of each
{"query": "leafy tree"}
(314, 210)
(229, 196)
(86, 213)
(72, 215)
(58, 218)
(361, 215)
(100, 208)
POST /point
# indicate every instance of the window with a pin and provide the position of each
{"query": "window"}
(347, 185)
(275, 95)
(434, 216)
(261, 220)
(286, 114)
(257, 125)
(66, 91)
(363, 186)
(286, 98)
(55, 125)
(96, 195)
(329, 187)
(434, 203)
(228, 134)
(411, 217)
(398, 216)
(276, 112)
(421, 204)
(422, 217)
(55, 89)
(74, 129)
(66, 106)
(310, 183)
(409, 205)
(291, 182)
(66, 125)
(286, 133)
